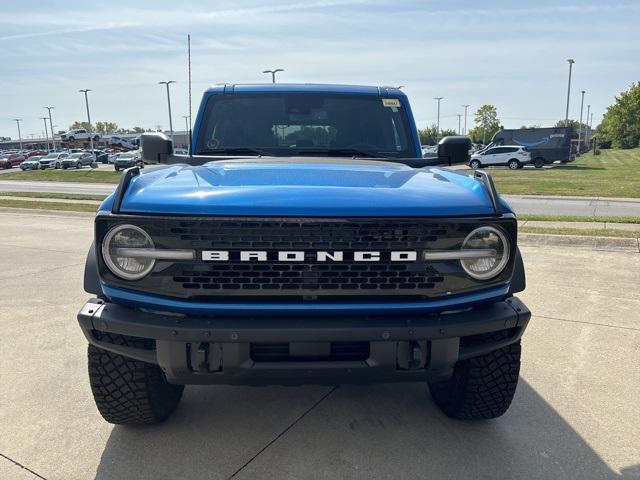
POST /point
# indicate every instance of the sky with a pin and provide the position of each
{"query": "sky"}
(507, 53)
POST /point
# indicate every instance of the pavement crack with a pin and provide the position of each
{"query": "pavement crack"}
(43, 271)
(35, 248)
(283, 432)
(18, 464)
(589, 323)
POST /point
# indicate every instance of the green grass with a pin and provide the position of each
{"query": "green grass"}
(68, 207)
(55, 195)
(614, 173)
(89, 176)
(576, 218)
(596, 232)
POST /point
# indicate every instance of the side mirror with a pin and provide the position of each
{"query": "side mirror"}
(156, 147)
(454, 150)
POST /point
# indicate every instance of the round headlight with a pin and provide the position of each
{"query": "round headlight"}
(491, 249)
(118, 251)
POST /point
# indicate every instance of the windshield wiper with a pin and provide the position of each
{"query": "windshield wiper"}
(236, 151)
(341, 152)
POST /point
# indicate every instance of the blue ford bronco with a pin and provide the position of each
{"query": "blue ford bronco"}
(302, 241)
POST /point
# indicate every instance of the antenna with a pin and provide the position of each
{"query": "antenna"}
(189, 62)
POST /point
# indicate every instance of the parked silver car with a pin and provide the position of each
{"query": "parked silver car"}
(31, 163)
(78, 160)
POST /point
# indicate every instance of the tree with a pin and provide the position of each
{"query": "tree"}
(78, 125)
(575, 124)
(487, 124)
(449, 132)
(106, 128)
(429, 135)
(621, 123)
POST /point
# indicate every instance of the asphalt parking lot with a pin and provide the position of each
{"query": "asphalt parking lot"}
(576, 413)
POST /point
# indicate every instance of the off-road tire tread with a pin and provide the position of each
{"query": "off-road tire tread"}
(481, 387)
(128, 391)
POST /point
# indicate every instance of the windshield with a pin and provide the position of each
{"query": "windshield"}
(76, 155)
(305, 124)
(51, 155)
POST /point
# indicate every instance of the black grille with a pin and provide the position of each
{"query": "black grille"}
(308, 276)
(310, 279)
(308, 235)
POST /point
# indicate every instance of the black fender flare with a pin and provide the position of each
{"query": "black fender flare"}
(518, 280)
(91, 277)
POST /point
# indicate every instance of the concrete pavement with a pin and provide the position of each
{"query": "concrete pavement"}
(575, 415)
(583, 206)
(522, 204)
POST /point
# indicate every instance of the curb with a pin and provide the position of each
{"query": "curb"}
(48, 213)
(611, 244)
(571, 197)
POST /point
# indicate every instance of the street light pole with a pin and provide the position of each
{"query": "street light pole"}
(587, 130)
(459, 120)
(186, 126)
(438, 124)
(169, 104)
(580, 124)
(273, 73)
(566, 116)
(53, 138)
(46, 135)
(465, 118)
(18, 120)
(86, 101)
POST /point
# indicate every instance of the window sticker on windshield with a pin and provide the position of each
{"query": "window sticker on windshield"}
(391, 102)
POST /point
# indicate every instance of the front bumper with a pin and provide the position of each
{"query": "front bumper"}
(197, 350)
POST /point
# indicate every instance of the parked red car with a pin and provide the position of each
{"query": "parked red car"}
(11, 160)
(33, 153)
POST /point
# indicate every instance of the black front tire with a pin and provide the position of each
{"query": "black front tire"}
(130, 392)
(481, 387)
(513, 164)
(475, 164)
(116, 169)
(538, 162)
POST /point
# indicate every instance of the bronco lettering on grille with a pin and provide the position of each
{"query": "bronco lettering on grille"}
(301, 256)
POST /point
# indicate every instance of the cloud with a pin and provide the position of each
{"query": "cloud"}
(74, 22)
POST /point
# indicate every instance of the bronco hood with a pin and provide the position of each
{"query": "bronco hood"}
(305, 187)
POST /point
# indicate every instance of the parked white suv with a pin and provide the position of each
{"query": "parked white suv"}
(513, 156)
(122, 142)
(79, 134)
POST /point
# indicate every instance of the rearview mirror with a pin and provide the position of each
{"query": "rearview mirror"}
(156, 147)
